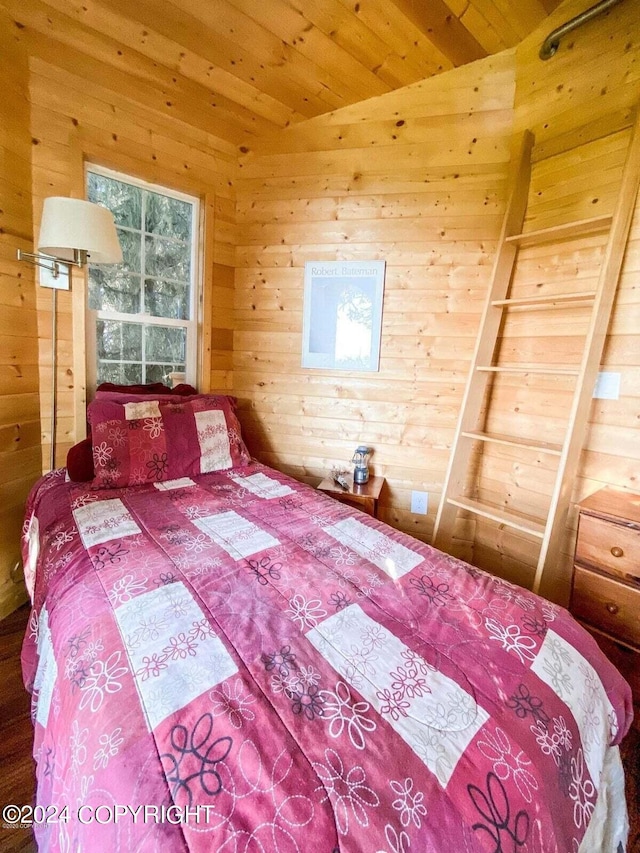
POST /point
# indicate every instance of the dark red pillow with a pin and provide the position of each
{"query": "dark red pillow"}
(150, 388)
(80, 461)
(184, 390)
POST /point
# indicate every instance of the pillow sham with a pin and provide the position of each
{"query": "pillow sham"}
(80, 457)
(153, 440)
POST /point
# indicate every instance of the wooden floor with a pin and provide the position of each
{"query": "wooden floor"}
(17, 770)
(17, 774)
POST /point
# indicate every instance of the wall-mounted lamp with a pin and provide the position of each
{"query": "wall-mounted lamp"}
(73, 232)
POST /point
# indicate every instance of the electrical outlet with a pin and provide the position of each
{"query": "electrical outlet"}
(419, 502)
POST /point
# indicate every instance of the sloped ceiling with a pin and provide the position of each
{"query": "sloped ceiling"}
(241, 68)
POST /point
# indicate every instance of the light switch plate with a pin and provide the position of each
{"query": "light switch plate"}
(607, 386)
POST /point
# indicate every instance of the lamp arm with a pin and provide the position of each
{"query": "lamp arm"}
(50, 262)
(47, 262)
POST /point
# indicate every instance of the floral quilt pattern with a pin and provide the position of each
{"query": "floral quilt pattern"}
(314, 678)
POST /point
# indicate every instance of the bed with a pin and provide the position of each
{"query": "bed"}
(224, 659)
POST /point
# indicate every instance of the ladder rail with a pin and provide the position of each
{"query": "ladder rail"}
(485, 346)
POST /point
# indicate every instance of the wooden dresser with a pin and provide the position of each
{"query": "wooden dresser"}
(606, 578)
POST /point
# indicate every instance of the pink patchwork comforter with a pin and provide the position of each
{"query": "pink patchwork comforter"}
(240, 664)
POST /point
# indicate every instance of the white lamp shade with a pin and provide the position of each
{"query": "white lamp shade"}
(71, 223)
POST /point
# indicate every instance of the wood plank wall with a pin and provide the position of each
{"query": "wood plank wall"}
(19, 411)
(75, 119)
(415, 177)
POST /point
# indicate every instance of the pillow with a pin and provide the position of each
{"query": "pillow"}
(152, 440)
(128, 397)
(80, 461)
(150, 388)
(80, 457)
(183, 390)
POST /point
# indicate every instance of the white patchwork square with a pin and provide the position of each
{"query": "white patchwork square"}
(237, 535)
(576, 682)
(434, 716)
(213, 438)
(102, 521)
(32, 538)
(148, 409)
(47, 670)
(181, 483)
(175, 654)
(263, 486)
(393, 558)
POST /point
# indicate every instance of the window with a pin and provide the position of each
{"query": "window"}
(143, 310)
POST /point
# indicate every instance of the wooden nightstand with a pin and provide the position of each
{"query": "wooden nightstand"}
(364, 497)
(606, 577)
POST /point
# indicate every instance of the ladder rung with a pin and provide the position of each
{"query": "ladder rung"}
(512, 441)
(517, 520)
(580, 228)
(516, 368)
(546, 300)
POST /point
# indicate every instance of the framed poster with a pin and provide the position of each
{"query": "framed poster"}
(342, 314)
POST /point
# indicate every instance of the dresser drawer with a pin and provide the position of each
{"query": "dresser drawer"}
(606, 604)
(611, 547)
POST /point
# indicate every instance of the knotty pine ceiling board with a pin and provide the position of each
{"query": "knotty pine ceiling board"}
(241, 68)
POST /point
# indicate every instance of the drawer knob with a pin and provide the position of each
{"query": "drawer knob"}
(612, 608)
(617, 551)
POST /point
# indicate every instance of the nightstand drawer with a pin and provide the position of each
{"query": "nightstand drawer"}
(611, 547)
(606, 604)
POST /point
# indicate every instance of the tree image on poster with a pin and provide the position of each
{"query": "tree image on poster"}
(342, 314)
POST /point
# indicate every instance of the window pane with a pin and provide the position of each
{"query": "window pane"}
(121, 374)
(132, 374)
(166, 299)
(167, 216)
(109, 372)
(131, 249)
(165, 344)
(123, 200)
(119, 341)
(161, 372)
(167, 258)
(113, 290)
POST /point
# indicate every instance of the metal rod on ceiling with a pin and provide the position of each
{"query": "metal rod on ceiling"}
(552, 42)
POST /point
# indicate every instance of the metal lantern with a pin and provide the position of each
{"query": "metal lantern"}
(361, 461)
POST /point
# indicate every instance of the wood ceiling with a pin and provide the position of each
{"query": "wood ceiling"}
(241, 68)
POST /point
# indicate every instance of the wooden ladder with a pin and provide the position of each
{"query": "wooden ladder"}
(550, 530)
